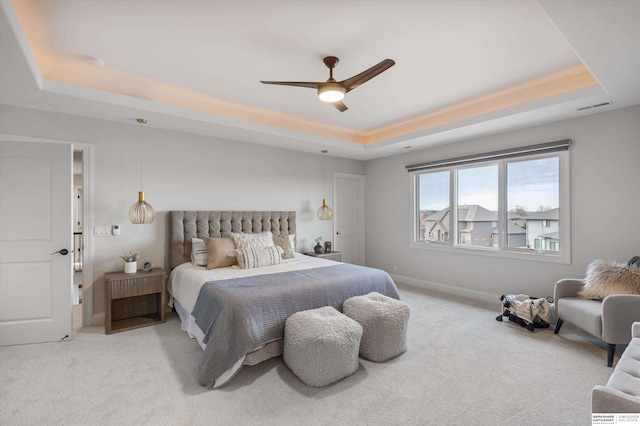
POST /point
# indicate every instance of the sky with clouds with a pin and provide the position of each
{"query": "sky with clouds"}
(530, 184)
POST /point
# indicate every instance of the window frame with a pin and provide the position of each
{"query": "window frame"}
(453, 245)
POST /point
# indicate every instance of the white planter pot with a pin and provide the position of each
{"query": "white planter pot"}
(130, 267)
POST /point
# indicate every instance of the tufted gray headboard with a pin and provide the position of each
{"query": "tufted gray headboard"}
(184, 225)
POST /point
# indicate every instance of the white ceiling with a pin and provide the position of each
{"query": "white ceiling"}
(463, 68)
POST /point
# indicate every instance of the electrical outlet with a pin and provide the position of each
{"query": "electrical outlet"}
(102, 231)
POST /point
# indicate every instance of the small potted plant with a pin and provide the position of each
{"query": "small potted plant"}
(318, 247)
(130, 262)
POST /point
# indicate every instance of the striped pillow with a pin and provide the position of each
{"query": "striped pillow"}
(257, 258)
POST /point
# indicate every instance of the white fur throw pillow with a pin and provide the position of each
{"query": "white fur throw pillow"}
(604, 279)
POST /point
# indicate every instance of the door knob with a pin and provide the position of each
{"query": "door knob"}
(63, 252)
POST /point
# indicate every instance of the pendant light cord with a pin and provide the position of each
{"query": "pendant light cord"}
(141, 124)
(324, 173)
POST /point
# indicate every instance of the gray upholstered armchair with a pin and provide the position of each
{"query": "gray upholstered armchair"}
(609, 319)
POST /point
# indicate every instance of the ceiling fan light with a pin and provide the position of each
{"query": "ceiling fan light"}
(331, 92)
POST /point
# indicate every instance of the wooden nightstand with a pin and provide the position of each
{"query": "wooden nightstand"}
(334, 255)
(133, 300)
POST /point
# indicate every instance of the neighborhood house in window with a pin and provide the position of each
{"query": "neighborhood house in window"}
(525, 230)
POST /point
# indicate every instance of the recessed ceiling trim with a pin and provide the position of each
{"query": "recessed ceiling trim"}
(566, 81)
(435, 119)
(21, 39)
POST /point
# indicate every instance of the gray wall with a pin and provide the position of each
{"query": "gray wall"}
(605, 194)
(181, 172)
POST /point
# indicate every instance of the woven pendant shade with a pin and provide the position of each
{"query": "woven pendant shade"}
(325, 212)
(141, 212)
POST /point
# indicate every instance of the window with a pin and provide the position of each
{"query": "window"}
(434, 206)
(509, 203)
(477, 195)
(533, 199)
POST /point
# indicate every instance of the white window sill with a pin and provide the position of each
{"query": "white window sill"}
(489, 251)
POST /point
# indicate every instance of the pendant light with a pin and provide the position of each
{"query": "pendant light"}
(325, 212)
(141, 212)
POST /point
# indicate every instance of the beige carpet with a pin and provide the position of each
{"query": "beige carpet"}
(462, 368)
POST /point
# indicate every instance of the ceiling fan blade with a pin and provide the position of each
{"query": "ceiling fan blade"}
(355, 81)
(340, 106)
(309, 84)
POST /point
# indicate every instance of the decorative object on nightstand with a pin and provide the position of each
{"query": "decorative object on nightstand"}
(334, 255)
(327, 246)
(130, 262)
(318, 247)
(133, 300)
(147, 266)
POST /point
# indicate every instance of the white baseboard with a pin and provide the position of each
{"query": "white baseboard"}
(449, 289)
(97, 320)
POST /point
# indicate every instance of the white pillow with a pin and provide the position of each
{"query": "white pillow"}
(292, 241)
(198, 252)
(257, 258)
(253, 241)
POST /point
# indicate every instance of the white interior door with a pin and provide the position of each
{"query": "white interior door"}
(349, 217)
(35, 221)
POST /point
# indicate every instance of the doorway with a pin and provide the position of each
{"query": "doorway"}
(83, 163)
(349, 218)
(78, 240)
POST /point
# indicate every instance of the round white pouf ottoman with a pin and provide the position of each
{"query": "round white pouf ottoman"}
(384, 321)
(321, 345)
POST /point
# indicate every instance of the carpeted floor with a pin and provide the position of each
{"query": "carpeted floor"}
(462, 368)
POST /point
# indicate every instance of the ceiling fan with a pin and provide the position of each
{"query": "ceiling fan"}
(333, 91)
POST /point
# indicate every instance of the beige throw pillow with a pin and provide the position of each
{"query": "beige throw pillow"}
(218, 250)
(283, 241)
(604, 279)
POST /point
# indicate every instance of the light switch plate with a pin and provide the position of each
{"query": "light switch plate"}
(102, 231)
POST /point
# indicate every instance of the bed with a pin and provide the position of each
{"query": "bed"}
(238, 315)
